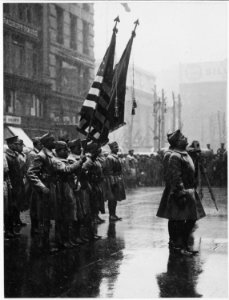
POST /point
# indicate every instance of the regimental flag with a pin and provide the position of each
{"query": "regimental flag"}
(94, 113)
(116, 107)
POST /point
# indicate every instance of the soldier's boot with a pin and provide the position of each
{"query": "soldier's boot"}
(71, 236)
(10, 233)
(187, 230)
(78, 238)
(34, 227)
(93, 232)
(112, 211)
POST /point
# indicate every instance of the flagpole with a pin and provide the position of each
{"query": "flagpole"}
(116, 20)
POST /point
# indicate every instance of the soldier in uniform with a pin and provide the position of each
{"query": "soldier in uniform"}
(93, 170)
(65, 199)
(115, 183)
(8, 222)
(16, 175)
(131, 162)
(42, 175)
(81, 194)
(180, 202)
(31, 193)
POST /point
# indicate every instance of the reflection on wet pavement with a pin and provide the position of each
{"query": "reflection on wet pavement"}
(131, 261)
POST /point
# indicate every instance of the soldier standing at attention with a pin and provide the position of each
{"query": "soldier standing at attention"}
(93, 170)
(30, 192)
(81, 195)
(43, 181)
(115, 183)
(65, 196)
(16, 176)
(180, 202)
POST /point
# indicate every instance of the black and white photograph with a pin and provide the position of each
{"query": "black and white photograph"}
(114, 157)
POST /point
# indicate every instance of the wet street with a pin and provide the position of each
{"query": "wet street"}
(130, 261)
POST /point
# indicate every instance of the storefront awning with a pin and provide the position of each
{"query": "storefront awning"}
(12, 131)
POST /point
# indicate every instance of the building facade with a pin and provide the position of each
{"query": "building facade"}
(203, 89)
(48, 66)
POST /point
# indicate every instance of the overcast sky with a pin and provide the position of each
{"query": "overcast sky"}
(169, 33)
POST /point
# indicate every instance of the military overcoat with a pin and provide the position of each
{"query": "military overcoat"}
(115, 188)
(180, 201)
(16, 175)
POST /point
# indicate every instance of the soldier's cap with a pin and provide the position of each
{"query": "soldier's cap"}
(63, 138)
(92, 147)
(74, 143)
(12, 140)
(174, 136)
(113, 145)
(131, 150)
(61, 145)
(36, 140)
(46, 138)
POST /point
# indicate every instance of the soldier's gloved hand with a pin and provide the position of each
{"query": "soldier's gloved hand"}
(45, 190)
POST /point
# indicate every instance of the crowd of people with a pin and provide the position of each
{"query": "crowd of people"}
(64, 184)
(147, 169)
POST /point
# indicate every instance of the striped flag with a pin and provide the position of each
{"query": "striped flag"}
(118, 92)
(94, 112)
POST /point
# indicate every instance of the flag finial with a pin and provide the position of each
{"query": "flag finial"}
(136, 24)
(116, 20)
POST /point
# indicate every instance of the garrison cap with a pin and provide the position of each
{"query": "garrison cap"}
(74, 143)
(92, 147)
(36, 139)
(113, 145)
(12, 140)
(174, 137)
(60, 145)
(46, 138)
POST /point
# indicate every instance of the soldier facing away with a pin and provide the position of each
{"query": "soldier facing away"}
(180, 203)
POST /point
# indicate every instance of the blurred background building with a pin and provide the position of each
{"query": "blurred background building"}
(48, 66)
(203, 89)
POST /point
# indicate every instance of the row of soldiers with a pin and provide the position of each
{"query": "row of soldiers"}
(145, 170)
(59, 182)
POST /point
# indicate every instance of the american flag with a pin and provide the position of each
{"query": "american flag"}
(94, 115)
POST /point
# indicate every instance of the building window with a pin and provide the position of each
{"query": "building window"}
(85, 37)
(18, 56)
(27, 104)
(21, 11)
(37, 14)
(86, 6)
(73, 31)
(6, 8)
(6, 52)
(25, 12)
(9, 101)
(67, 77)
(60, 24)
(36, 107)
(32, 61)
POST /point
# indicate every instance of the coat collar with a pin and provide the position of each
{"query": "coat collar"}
(11, 153)
(182, 152)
